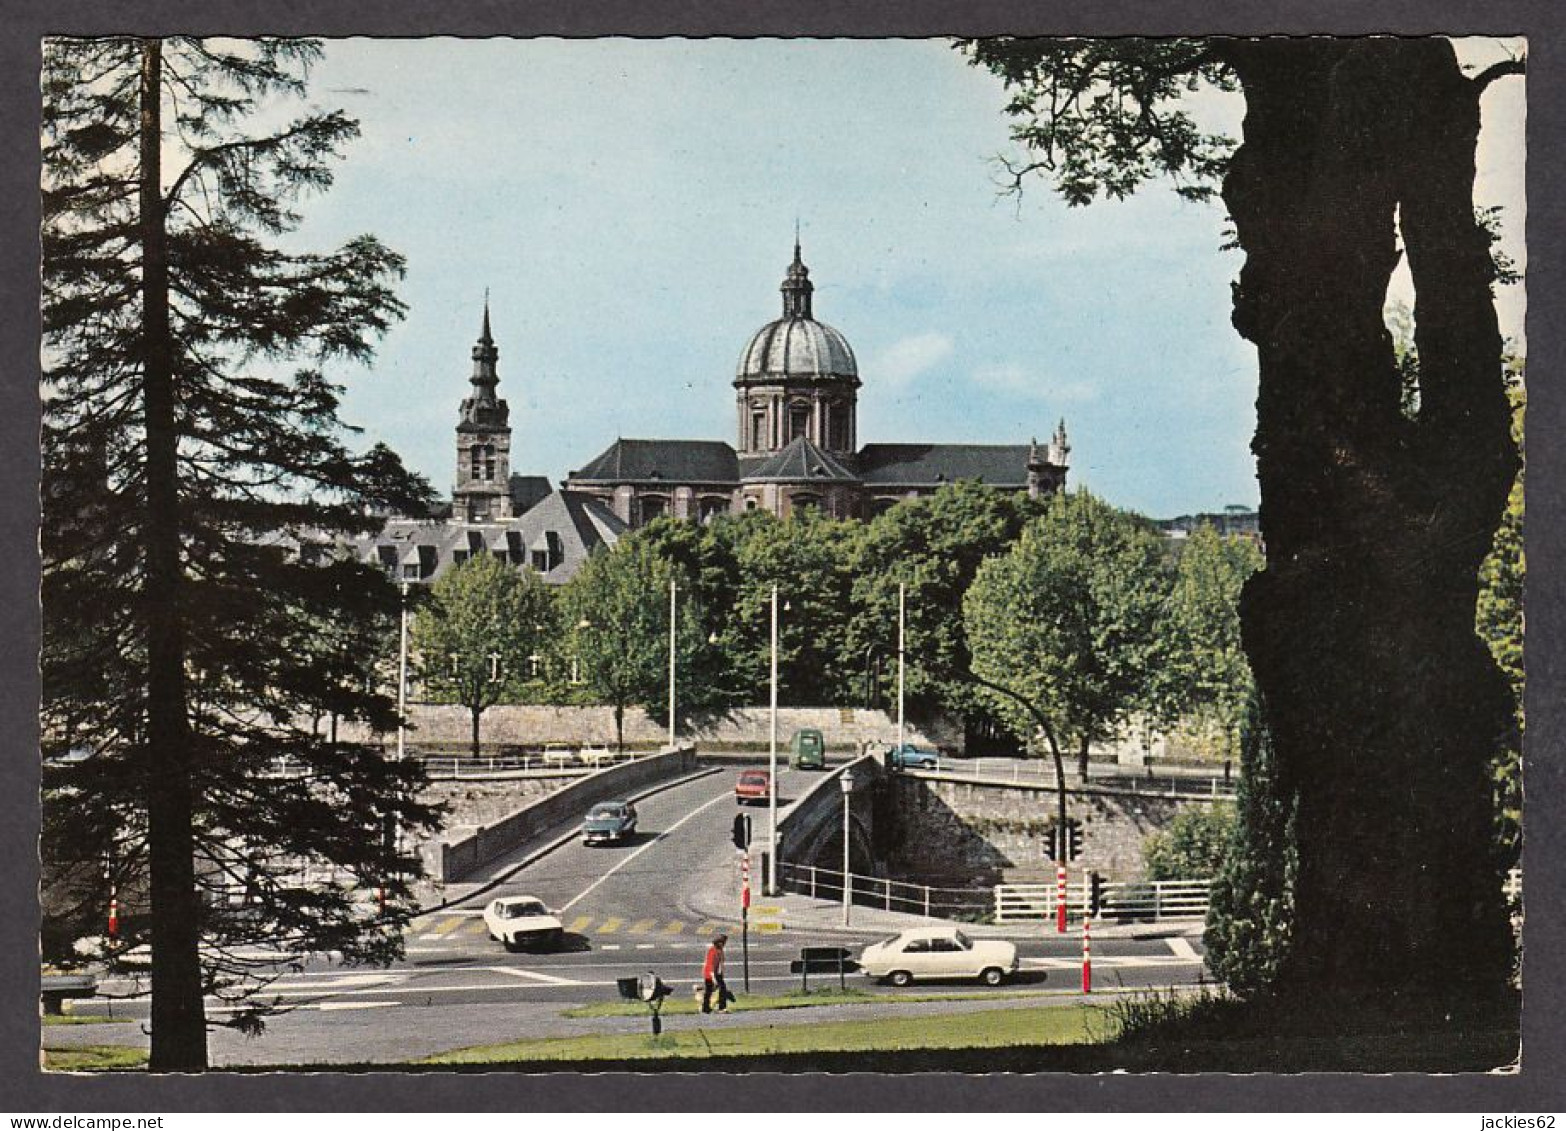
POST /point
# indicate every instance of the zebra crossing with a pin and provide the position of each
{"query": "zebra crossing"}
(642, 933)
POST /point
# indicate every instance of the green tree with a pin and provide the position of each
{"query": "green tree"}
(809, 558)
(1063, 627)
(934, 547)
(1500, 625)
(1251, 912)
(478, 634)
(1358, 154)
(705, 559)
(1192, 846)
(184, 462)
(619, 605)
(1203, 673)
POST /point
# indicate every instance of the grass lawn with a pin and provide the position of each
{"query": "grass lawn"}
(680, 1005)
(95, 1058)
(988, 1029)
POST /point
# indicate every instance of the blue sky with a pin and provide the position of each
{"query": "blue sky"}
(630, 204)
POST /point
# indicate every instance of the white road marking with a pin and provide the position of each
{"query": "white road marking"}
(610, 946)
(329, 1006)
(339, 982)
(724, 796)
(645, 945)
(517, 972)
(1183, 949)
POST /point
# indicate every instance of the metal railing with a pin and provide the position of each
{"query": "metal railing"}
(1033, 772)
(927, 900)
(1136, 899)
(465, 766)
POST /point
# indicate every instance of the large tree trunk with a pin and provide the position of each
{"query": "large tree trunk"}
(1384, 707)
(179, 1034)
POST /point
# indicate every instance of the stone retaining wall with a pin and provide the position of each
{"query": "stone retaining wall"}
(845, 728)
(457, 858)
(939, 829)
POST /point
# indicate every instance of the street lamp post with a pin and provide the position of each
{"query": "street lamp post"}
(671, 661)
(772, 763)
(902, 603)
(402, 676)
(847, 782)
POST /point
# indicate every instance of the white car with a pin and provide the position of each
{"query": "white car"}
(939, 952)
(522, 921)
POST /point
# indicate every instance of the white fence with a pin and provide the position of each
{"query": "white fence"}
(463, 767)
(1140, 899)
(887, 894)
(1041, 774)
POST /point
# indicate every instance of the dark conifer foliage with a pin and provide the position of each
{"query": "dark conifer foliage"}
(201, 636)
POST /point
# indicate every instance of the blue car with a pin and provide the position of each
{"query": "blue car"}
(911, 757)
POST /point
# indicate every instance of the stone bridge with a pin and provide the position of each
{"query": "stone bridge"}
(810, 830)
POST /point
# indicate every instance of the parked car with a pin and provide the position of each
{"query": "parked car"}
(808, 750)
(939, 952)
(522, 921)
(753, 785)
(911, 757)
(609, 822)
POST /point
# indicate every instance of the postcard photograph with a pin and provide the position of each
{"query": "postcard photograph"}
(782, 555)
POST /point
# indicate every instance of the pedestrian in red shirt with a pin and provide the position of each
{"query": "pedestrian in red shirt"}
(712, 977)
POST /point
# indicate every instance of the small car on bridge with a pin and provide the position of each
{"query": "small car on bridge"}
(609, 822)
(911, 757)
(753, 785)
(807, 750)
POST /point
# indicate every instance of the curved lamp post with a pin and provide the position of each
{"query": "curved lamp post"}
(847, 782)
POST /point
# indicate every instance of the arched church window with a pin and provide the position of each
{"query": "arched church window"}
(758, 431)
(798, 420)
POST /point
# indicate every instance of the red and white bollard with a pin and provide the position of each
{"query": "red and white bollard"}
(114, 919)
(1087, 955)
(1060, 899)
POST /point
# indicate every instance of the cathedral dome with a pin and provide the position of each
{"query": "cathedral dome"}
(796, 346)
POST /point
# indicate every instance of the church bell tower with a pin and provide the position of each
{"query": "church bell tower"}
(483, 490)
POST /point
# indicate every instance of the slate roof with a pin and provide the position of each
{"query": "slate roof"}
(662, 461)
(527, 491)
(801, 462)
(568, 524)
(930, 465)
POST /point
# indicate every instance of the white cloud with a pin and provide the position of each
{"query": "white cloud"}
(1017, 380)
(904, 360)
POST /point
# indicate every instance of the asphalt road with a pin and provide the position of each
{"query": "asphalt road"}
(627, 909)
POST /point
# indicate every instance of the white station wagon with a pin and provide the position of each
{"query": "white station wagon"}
(522, 921)
(939, 952)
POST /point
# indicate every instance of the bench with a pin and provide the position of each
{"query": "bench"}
(55, 988)
(822, 960)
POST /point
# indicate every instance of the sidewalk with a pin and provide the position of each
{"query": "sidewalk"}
(802, 913)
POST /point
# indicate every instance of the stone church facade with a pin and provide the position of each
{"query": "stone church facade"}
(797, 424)
(519, 519)
(797, 416)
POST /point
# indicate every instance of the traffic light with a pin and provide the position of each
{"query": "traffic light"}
(1095, 893)
(1063, 842)
(742, 831)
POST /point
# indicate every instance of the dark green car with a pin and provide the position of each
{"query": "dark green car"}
(807, 750)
